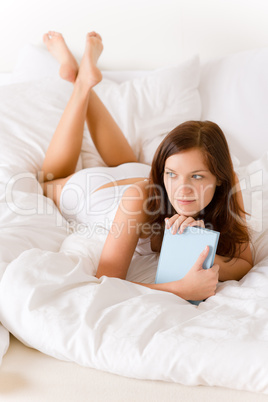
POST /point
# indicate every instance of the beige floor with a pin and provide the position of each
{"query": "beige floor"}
(27, 375)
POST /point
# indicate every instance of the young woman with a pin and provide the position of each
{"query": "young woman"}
(191, 183)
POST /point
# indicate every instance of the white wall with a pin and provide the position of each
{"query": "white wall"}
(138, 34)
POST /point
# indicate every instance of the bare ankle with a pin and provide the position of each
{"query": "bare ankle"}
(67, 73)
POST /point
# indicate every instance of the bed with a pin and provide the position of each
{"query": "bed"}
(64, 333)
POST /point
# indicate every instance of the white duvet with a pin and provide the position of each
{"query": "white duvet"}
(50, 299)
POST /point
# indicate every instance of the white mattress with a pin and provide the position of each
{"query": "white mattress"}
(30, 376)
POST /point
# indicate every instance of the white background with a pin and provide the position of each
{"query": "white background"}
(138, 34)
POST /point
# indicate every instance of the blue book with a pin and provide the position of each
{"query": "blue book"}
(179, 252)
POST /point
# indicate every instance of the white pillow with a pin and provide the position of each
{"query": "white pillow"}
(29, 114)
(146, 109)
(5, 78)
(233, 93)
(254, 185)
(34, 62)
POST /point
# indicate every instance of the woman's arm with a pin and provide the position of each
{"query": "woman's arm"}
(121, 242)
(236, 268)
(124, 234)
(197, 284)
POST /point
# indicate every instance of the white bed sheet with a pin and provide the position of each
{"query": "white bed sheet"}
(5, 79)
(50, 299)
(61, 309)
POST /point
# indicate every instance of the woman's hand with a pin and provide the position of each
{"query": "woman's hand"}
(198, 283)
(180, 221)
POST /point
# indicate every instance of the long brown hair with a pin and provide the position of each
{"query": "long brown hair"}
(223, 213)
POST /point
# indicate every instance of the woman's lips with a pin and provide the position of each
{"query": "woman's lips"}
(185, 202)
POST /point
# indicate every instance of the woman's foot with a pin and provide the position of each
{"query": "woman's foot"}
(56, 45)
(89, 74)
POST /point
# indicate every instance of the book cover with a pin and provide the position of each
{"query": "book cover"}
(179, 252)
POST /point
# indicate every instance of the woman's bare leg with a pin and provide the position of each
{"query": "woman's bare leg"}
(106, 135)
(65, 146)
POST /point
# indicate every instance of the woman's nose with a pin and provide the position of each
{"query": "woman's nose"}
(184, 188)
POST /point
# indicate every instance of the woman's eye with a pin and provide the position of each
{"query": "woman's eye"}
(170, 174)
(197, 176)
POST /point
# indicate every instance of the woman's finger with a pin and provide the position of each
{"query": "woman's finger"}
(177, 224)
(188, 222)
(182, 222)
(170, 221)
(199, 223)
(200, 260)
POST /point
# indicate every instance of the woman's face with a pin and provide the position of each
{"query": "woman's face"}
(189, 183)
